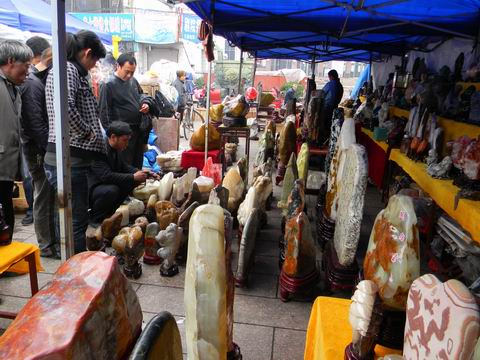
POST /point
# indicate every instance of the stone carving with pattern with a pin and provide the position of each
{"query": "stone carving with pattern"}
(393, 255)
(443, 321)
(350, 193)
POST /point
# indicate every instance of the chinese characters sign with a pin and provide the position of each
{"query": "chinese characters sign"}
(190, 26)
(158, 28)
(114, 24)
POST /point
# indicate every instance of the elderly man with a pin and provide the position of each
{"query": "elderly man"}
(15, 60)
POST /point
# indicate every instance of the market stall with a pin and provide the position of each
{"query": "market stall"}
(191, 215)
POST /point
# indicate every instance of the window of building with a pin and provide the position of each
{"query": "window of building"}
(229, 51)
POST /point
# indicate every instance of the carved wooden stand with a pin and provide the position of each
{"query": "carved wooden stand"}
(337, 276)
(280, 173)
(169, 272)
(325, 229)
(133, 271)
(301, 286)
(392, 329)
(150, 256)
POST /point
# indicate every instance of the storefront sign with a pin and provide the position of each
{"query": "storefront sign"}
(159, 28)
(190, 25)
(115, 24)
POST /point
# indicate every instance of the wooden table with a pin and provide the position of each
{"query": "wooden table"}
(20, 257)
(240, 132)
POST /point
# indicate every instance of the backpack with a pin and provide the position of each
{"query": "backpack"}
(166, 108)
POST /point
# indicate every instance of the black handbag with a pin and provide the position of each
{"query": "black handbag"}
(166, 108)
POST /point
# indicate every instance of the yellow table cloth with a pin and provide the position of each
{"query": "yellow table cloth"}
(382, 144)
(443, 193)
(12, 257)
(329, 331)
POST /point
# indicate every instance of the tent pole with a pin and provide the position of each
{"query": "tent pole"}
(64, 184)
(240, 73)
(370, 78)
(207, 118)
(254, 69)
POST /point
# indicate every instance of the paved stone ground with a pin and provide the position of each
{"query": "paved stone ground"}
(265, 327)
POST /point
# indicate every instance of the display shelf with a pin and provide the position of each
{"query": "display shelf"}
(382, 144)
(443, 192)
(452, 129)
(467, 84)
(396, 111)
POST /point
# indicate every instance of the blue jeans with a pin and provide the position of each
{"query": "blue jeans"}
(79, 202)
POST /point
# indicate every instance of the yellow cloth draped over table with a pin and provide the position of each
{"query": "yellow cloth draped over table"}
(329, 331)
(12, 257)
(443, 193)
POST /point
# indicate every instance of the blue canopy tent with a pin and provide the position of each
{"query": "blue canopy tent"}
(35, 16)
(390, 27)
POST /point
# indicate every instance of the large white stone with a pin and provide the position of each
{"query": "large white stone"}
(234, 183)
(205, 294)
(165, 187)
(136, 207)
(143, 192)
(347, 138)
(350, 196)
(247, 245)
(247, 206)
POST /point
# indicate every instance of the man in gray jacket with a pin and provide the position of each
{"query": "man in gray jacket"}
(15, 60)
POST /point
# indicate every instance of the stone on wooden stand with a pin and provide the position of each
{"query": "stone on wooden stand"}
(206, 285)
(392, 262)
(325, 229)
(341, 268)
(286, 147)
(298, 275)
(233, 350)
(295, 205)
(365, 317)
(183, 221)
(151, 246)
(234, 183)
(291, 175)
(169, 241)
(150, 209)
(128, 245)
(101, 237)
(247, 248)
(338, 276)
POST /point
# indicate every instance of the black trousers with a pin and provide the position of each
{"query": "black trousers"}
(104, 200)
(133, 154)
(6, 199)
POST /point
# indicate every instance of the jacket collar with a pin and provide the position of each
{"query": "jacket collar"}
(81, 70)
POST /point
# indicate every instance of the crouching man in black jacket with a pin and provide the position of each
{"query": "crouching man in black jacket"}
(112, 179)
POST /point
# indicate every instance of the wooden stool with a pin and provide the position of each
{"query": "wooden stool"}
(13, 258)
